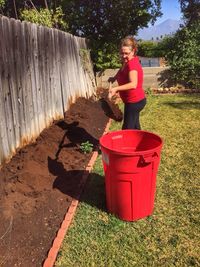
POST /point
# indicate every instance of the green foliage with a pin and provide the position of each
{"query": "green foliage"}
(152, 48)
(183, 55)
(58, 19)
(44, 17)
(109, 21)
(147, 48)
(105, 57)
(163, 46)
(86, 147)
(41, 17)
(190, 10)
(85, 59)
(105, 60)
(105, 23)
(148, 91)
(2, 3)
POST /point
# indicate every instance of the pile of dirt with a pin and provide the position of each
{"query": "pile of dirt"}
(110, 107)
(39, 183)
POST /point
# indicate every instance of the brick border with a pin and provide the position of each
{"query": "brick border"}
(53, 252)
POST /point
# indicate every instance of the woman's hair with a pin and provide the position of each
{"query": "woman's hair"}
(130, 42)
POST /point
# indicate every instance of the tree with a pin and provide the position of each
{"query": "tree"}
(183, 57)
(147, 48)
(182, 49)
(152, 48)
(105, 23)
(109, 21)
(190, 10)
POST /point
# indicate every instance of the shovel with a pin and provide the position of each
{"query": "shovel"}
(110, 106)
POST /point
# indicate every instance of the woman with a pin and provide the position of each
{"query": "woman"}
(130, 80)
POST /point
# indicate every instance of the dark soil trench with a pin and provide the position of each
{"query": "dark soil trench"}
(39, 183)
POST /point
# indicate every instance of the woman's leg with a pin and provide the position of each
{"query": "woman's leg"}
(132, 113)
(129, 117)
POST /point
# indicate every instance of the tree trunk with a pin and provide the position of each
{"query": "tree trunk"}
(46, 5)
(14, 4)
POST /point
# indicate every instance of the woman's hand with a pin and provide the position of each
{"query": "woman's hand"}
(111, 92)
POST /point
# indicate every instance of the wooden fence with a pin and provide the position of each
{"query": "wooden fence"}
(42, 71)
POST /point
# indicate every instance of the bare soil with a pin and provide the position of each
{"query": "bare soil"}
(39, 183)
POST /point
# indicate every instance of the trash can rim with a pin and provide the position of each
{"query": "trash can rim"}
(143, 152)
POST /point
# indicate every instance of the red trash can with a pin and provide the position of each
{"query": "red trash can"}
(130, 159)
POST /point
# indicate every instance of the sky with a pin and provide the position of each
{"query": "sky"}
(170, 10)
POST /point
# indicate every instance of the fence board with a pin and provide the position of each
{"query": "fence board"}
(9, 125)
(13, 86)
(33, 93)
(64, 83)
(22, 83)
(34, 84)
(4, 146)
(57, 83)
(26, 88)
(16, 33)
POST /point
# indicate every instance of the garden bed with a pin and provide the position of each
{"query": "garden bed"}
(174, 90)
(39, 183)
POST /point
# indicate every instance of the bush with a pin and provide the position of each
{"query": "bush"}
(45, 17)
(183, 56)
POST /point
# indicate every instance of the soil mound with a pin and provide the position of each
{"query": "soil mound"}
(110, 108)
(39, 183)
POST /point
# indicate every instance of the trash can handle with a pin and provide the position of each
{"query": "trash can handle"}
(149, 158)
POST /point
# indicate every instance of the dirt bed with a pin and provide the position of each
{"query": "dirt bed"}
(39, 183)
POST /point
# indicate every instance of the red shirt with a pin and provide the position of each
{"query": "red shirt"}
(135, 94)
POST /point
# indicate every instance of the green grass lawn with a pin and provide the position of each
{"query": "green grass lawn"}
(170, 237)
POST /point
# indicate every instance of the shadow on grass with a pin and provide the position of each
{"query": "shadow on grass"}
(184, 104)
(94, 192)
(69, 183)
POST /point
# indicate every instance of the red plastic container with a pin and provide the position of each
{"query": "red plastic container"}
(131, 159)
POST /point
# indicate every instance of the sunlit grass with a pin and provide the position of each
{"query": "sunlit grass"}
(170, 237)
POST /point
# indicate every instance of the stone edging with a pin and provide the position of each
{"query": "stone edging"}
(178, 91)
(53, 252)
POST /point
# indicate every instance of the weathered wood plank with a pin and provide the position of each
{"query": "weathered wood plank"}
(57, 79)
(8, 61)
(46, 52)
(33, 87)
(4, 146)
(14, 81)
(20, 47)
(63, 71)
(37, 99)
(28, 89)
(41, 46)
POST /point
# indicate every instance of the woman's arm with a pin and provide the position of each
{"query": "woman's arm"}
(133, 78)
